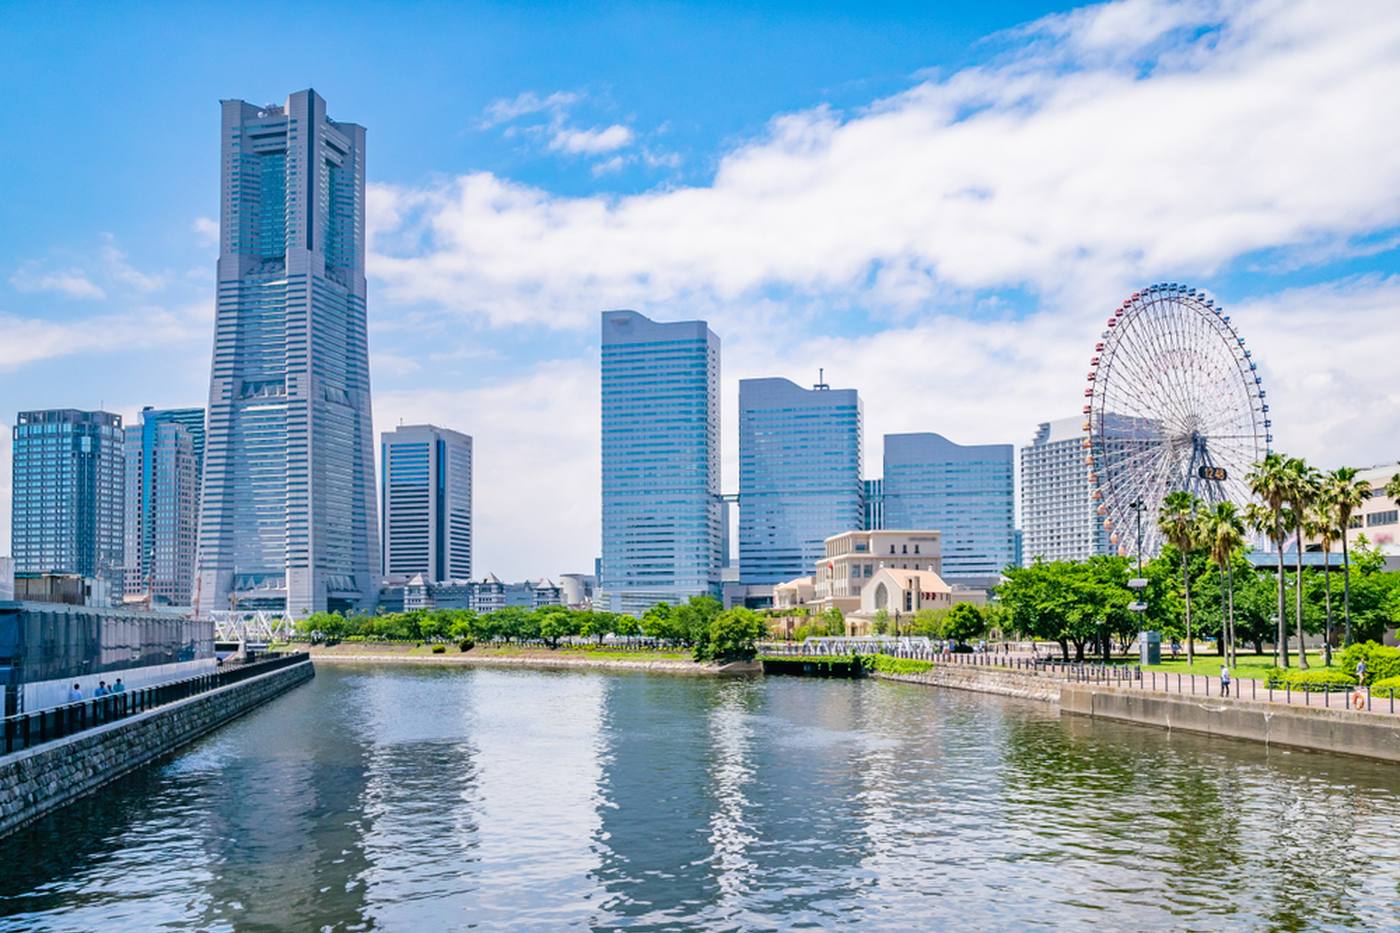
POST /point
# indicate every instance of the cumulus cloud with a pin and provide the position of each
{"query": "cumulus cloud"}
(206, 229)
(1122, 144)
(590, 141)
(74, 283)
(32, 339)
(526, 104)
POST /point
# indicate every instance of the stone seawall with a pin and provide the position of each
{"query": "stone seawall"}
(1026, 685)
(38, 780)
(1328, 730)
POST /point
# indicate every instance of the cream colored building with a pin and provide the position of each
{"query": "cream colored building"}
(794, 594)
(1379, 516)
(854, 557)
(904, 592)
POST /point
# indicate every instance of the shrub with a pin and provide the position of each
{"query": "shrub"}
(1382, 661)
(889, 665)
(439, 649)
(1312, 681)
(1389, 683)
(466, 644)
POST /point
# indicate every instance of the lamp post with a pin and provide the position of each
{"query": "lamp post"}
(1139, 586)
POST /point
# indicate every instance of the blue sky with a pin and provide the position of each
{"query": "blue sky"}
(936, 202)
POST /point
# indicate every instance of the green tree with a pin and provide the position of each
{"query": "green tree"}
(833, 621)
(693, 619)
(1177, 521)
(1347, 494)
(1222, 532)
(1269, 480)
(661, 622)
(733, 636)
(1322, 525)
(881, 622)
(1303, 487)
(965, 622)
(557, 623)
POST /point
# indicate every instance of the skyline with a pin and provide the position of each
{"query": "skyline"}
(962, 298)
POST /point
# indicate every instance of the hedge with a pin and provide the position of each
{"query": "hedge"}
(1313, 681)
(1382, 661)
(1389, 683)
(890, 665)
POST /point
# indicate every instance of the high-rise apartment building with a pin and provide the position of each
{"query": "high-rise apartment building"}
(162, 504)
(660, 439)
(426, 503)
(799, 475)
(965, 492)
(67, 506)
(874, 504)
(287, 519)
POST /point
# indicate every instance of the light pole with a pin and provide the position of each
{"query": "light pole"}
(1139, 586)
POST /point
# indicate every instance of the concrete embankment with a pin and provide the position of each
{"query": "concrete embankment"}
(1328, 730)
(38, 780)
(538, 662)
(1026, 685)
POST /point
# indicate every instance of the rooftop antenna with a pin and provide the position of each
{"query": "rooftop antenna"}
(821, 379)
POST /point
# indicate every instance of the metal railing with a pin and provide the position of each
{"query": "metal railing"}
(27, 730)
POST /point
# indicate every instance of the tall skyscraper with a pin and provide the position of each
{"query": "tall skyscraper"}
(66, 509)
(426, 497)
(1058, 514)
(661, 498)
(287, 517)
(799, 475)
(874, 504)
(162, 504)
(967, 493)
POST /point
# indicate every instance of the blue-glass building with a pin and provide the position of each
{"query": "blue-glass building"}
(163, 469)
(67, 504)
(426, 499)
(660, 439)
(874, 505)
(799, 475)
(287, 517)
(967, 493)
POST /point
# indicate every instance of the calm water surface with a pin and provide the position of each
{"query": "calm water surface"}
(385, 798)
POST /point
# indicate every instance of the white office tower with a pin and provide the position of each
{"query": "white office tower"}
(1058, 519)
(427, 503)
(287, 514)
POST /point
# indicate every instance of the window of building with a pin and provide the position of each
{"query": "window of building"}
(1383, 518)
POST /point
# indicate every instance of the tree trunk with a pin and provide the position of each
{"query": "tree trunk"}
(1259, 647)
(1078, 649)
(1281, 642)
(1064, 649)
(1190, 639)
(1327, 589)
(1298, 598)
(1346, 586)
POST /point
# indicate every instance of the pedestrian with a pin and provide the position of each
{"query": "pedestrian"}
(1176, 646)
(1361, 671)
(1224, 680)
(76, 694)
(119, 687)
(101, 690)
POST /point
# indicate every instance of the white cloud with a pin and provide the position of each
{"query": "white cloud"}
(71, 282)
(608, 166)
(1209, 132)
(31, 340)
(206, 229)
(119, 270)
(526, 104)
(590, 141)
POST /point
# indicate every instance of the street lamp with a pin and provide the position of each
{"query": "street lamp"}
(1139, 586)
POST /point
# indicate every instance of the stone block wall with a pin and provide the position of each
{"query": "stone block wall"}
(37, 780)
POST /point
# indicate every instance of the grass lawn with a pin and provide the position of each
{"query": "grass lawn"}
(1251, 666)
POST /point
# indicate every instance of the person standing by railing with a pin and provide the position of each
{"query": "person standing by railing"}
(76, 694)
(1224, 680)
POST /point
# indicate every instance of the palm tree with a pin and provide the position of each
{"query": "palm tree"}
(1303, 483)
(1347, 496)
(1222, 531)
(1322, 525)
(1269, 480)
(1392, 488)
(1177, 522)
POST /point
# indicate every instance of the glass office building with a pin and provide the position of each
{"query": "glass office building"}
(67, 510)
(426, 497)
(799, 475)
(162, 504)
(287, 517)
(660, 440)
(967, 493)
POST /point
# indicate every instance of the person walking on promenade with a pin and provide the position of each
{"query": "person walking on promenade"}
(1361, 672)
(119, 687)
(1224, 680)
(101, 690)
(76, 694)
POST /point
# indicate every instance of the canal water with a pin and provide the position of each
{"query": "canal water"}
(427, 799)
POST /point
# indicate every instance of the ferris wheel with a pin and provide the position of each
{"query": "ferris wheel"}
(1174, 401)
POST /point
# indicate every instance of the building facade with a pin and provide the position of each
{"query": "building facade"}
(799, 475)
(965, 492)
(162, 505)
(67, 508)
(874, 504)
(662, 511)
(426, 503)
(1379, 516)
(288, 520)
(852, 559)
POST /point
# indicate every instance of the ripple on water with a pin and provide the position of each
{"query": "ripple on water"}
(395, 799)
